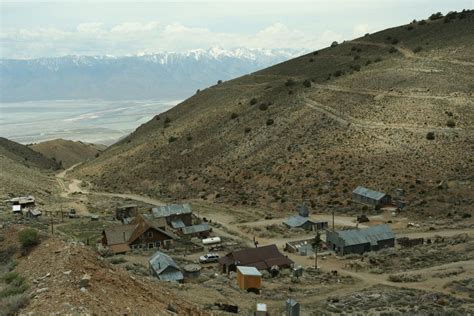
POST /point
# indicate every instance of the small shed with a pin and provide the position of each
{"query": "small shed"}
(126, 211)
(249, 278)
(33, 213)
(192, 271)
(298, 221)
(164, 268)
(370, 197)
(201, 230)
(16, 209)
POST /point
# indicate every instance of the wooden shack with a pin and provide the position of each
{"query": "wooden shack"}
(249, 278)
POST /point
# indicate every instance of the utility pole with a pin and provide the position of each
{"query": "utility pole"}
(333, 220)
(52, 225)
(316, 245)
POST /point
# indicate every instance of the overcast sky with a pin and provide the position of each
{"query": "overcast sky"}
(31, 29)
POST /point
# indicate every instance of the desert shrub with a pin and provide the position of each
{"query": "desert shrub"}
(219, 81)
(311, 60)
(167, 120)
(172, 139)
(315, 53)
(394, 41)
(388, 38)
(356, 57)
(334, 44)
(12, 304)
(466, 215)
(410, 27)
(377, 60)
(290, 92)
(366, 34)
(422, 22)
(392, 50)
(436, 16)
(10, 277)
(263, 107)
(234, 115)
(105, 252)
(189, 138)
(368, 62)
(290, 82)
(198, 90)
(247, 130)
(417, 49)
(117, 260)
(97, 155)
(307, 83)
(356, 67)
(28, 237)
(270, 122)
(338, 73)
(253, 101)
(430, 136)
(450, 123)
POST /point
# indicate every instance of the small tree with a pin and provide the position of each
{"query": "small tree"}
(307, 83)
(290, 82)
(334, 44)
(253, 101)
(234, 115)
(28, 237)
(450, 123)
(430, 136)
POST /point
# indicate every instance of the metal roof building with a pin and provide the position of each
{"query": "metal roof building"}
(171, 209)
(370, 197)
(195, 229)
(164, 268)
(360, 240)
(298, 221)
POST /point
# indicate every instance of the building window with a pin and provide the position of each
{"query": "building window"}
(151, 245)
(150, 234)
(158, 244)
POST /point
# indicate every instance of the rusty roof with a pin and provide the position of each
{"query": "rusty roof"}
(261, 257)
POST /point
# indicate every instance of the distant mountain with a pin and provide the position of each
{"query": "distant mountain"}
(156, 76)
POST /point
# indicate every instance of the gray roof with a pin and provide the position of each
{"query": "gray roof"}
(296, 221)
(165, 267)
(367, 235)
(204, 227)
(171, 209)
(371, 194)
(252, 271)
(177, 223)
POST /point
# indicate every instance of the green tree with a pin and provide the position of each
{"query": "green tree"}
(28, 237)
(316, 245)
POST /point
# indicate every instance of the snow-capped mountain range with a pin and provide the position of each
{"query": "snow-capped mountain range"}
(142, 76)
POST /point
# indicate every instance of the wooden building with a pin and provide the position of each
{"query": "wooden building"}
(370, 197)
(177, 215)
(249, 278)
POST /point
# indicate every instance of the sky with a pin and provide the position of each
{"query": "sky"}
(34, 29)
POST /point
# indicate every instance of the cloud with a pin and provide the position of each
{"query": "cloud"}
(127, 38)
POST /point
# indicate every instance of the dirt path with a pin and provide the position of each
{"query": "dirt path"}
(408, 53)
(347, 120)
(74, 187)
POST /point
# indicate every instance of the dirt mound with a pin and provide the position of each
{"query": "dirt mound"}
(68, 277)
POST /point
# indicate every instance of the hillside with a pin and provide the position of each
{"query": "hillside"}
(67, 152)
(313, 128)
(25, 156)
(24, 171)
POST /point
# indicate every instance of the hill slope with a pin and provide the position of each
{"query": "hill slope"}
(24, 171)
(68, 152)
(316, 126)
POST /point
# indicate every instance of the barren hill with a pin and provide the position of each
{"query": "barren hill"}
(389, 110)
(24, 171)
(68, 152)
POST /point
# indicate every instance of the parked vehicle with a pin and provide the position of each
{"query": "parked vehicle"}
(208, 258)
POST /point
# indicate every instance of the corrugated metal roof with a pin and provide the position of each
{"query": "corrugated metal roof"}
(171, 276)
(371, 194)
(165, 267)
(204, 227)
(118, 234)
(297, 221)
(367, 235)
(171, 209)
(35, 212)
(249, 271)
(177, 223)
